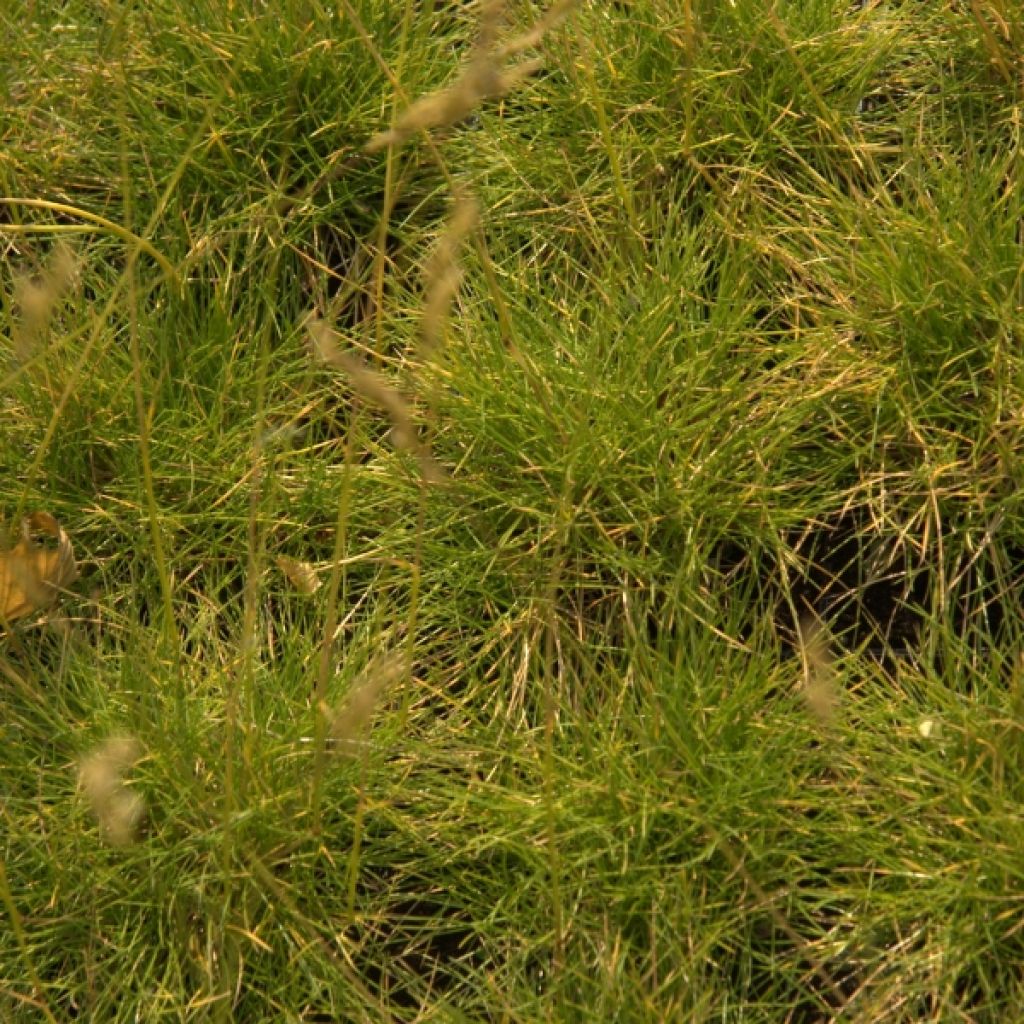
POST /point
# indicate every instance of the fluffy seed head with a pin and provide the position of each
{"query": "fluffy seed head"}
(349, 722)
(101, 773)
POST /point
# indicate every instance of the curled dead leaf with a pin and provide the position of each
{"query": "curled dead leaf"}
(32, 574)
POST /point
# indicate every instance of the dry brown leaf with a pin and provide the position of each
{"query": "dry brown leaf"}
(301, 575)
(32, 575)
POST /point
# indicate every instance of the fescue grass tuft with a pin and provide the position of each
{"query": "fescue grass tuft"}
(545, 483)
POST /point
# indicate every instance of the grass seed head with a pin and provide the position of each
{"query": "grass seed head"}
(374, 388)
(443, 274)
(101, 773)
(36, 299)
(821, 688)
(302, 576)
(534, 36)
(483, 78)
(349, 722)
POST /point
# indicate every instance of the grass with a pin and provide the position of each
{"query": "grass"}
(679, 572)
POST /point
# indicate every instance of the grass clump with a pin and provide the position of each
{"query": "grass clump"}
(544, 487)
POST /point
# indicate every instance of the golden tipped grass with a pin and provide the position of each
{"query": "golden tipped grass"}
(594, 794)
(88, 218)
(1001, 27)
